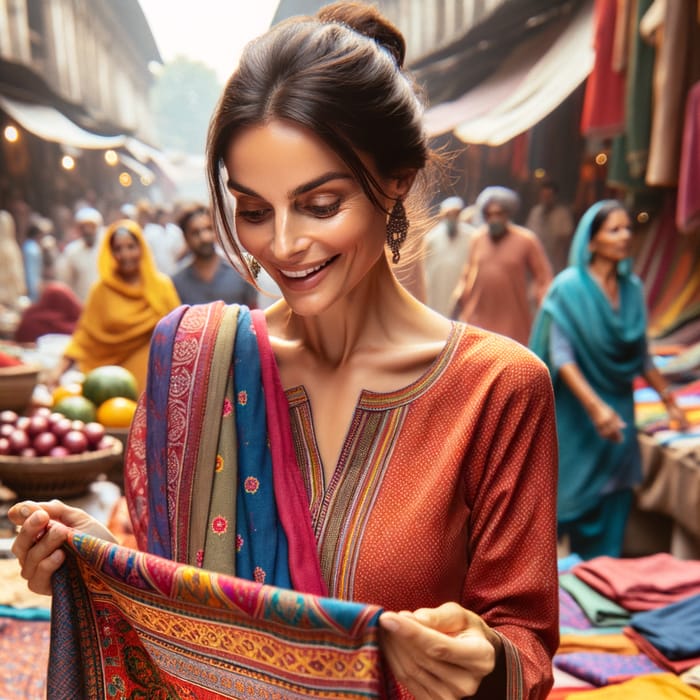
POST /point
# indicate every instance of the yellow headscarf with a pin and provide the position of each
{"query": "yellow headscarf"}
(118, 318)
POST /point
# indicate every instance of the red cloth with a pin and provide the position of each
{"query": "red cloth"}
(56, 311)
(604, 100)
(644, 583)
(688, 206)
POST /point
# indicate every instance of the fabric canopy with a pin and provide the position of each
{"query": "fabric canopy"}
(533, 80)
(48, 123)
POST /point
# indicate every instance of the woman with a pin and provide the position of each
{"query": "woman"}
(591, 332)
(123, 307)
(56, 311)
(425, 447)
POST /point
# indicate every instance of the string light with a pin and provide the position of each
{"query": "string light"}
(11, 134)
(111, 157)
(124, 179)
(601, 159)
(67, 162)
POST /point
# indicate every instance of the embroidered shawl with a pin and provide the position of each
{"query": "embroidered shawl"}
(214, 482)
(133, 625)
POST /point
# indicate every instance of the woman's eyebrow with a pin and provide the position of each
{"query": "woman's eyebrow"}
(306, 187)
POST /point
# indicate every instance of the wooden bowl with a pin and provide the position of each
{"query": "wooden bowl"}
(42, 478)
(17, 386)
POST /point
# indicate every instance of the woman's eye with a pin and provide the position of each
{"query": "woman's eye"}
(253, 216)
(324, 210)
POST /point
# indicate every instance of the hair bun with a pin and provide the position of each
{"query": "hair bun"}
(367, 20)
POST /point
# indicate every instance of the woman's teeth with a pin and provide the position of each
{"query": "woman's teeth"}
(304, 273)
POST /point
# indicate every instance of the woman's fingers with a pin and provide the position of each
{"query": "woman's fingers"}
(433, 664)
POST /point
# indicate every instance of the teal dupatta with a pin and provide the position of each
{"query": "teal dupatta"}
(609, 345)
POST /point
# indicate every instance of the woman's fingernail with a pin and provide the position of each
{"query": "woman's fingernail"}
(24, 511)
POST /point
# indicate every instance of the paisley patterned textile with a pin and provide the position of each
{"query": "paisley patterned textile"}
(134, 625)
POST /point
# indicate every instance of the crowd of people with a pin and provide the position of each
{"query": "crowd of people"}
(427, 435)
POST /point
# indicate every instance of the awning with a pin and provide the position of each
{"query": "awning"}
(51, 125)
(535, 78)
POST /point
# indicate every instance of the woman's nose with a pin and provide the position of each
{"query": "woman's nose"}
(286, 242)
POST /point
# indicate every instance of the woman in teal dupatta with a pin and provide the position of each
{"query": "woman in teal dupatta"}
(591, 333)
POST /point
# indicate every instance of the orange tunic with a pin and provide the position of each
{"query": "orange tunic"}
(446, 491)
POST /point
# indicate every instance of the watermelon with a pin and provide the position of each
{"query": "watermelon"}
(76, 408)
(108, 381)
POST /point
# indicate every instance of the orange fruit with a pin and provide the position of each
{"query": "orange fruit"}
(117, 412)
(64, 390)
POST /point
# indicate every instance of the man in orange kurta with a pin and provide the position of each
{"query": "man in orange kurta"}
(507, 272)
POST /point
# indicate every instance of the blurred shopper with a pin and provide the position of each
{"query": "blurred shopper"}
(12, 281)
(33, 260)
(123, 307)
(77, 264)
(553, 222)
(507, 270)
(56, 311)
(208, 277)
(446, 247)
(591, 332)
(166, 243)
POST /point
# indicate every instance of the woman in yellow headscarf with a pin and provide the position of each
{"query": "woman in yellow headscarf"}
(123, 306)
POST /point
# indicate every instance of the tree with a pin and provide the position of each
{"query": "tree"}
(183, 98)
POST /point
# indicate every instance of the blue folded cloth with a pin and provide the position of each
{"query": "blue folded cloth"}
(673, 629)
(25, 613)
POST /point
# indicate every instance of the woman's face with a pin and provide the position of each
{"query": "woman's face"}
(614, 238)
(127, 252)
(301, 214)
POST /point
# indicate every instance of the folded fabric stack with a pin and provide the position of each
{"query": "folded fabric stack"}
(629, 628)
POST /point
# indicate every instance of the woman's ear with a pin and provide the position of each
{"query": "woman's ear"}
(401, 182)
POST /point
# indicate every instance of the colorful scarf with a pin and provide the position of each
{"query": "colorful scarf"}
(132, 625)
(610, 349)
(212, 481)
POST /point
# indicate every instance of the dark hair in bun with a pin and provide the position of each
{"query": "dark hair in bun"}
(338, 75)
(367, 20)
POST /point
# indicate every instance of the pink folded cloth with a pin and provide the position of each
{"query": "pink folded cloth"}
(644, 583)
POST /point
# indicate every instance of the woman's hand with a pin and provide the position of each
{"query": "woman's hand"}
(608, 422)
(440, 652)
(43, 529)
(677, 418)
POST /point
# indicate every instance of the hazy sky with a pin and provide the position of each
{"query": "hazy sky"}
(211, 31)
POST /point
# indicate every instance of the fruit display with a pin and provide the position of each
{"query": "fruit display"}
(107, 395)
(47, 433)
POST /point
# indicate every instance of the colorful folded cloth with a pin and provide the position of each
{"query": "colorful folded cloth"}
(613, 643)
(602, 668)
(674, 629)
(646, 647)
(25, 613)
(24, 655)
(601, 611)
(571, 616)
(659, 686)
(642, 583)
(131, 624)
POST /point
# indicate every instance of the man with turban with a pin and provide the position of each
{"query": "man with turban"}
(507, 272)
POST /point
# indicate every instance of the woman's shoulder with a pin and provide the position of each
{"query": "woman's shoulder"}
(479, 352)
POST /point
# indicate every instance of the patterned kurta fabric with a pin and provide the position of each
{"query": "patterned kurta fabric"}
(132, 625)
(444, 491)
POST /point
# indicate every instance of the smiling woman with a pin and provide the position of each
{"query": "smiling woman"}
(349, 442)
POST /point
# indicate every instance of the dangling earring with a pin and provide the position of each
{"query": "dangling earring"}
(253, 266)
(396, 230)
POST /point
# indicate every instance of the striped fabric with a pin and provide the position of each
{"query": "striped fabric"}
(131, 624)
